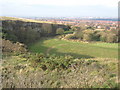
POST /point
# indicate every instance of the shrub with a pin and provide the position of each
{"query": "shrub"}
(103, 36)
(92, 35)
(70, 36)
(108, 37)
(111, 38)
(87, 37)
(79, 34)
(59, 31)
(96, 36)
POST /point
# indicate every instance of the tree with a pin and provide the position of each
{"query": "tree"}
(59, 31)
(79, 34)
(112, 38)
(88, 35)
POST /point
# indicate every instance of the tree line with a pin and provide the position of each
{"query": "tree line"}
(110, 36)
(28, 32)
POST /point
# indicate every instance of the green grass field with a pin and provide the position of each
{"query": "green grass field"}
(76, 49)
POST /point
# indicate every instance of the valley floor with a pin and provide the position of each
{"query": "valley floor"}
(76, 49)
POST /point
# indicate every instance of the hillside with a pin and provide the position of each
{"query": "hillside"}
(23, 19)
(76, 49)
(35, 57)
(27, 31)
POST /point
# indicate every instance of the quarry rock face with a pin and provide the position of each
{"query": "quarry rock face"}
(26, 32)
(17, 25)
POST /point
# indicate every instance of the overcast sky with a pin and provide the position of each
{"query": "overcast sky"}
(58, 8)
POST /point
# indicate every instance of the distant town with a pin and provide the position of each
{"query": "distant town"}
(97, 23)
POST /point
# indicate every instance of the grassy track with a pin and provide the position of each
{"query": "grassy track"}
(77, 49)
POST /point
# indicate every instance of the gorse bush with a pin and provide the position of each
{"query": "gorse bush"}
(79, 35)
(103, 36)
(30, 70)
(59, 31)
(70, 36)
(88, 37)
(92, 35)
(111, 38)
(49, 62)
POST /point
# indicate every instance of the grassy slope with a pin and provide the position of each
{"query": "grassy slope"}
(22, 19)
(25, 20)
(77, 49)
(20, 72)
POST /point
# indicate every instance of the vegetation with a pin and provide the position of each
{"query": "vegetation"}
(34, 58)
(59, 31)
(39, 71)
(9, 47)
(77, 49)
(68, 32)
(22, 19)
(94, 35)
(28, 32)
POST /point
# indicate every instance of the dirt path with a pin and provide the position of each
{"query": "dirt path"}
(48, 50)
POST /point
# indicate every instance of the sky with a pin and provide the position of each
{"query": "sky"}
(59, 8)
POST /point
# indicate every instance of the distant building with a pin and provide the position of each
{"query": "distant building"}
(98, 27)
(113, 28)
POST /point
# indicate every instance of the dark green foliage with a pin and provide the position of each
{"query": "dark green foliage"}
(28, 32)
(68, 32)
(103, 36)
(10, 37)
(118, 35)
(51, 62)
(90, 27)
(93, 35)
(96, 36)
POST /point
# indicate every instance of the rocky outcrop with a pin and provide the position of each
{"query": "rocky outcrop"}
(26, 32)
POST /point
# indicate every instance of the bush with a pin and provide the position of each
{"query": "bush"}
(111, 38)
(88, 35)
(108, 37)
(70, 36)
(59, 31)
(96, 36)
(79, 34)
